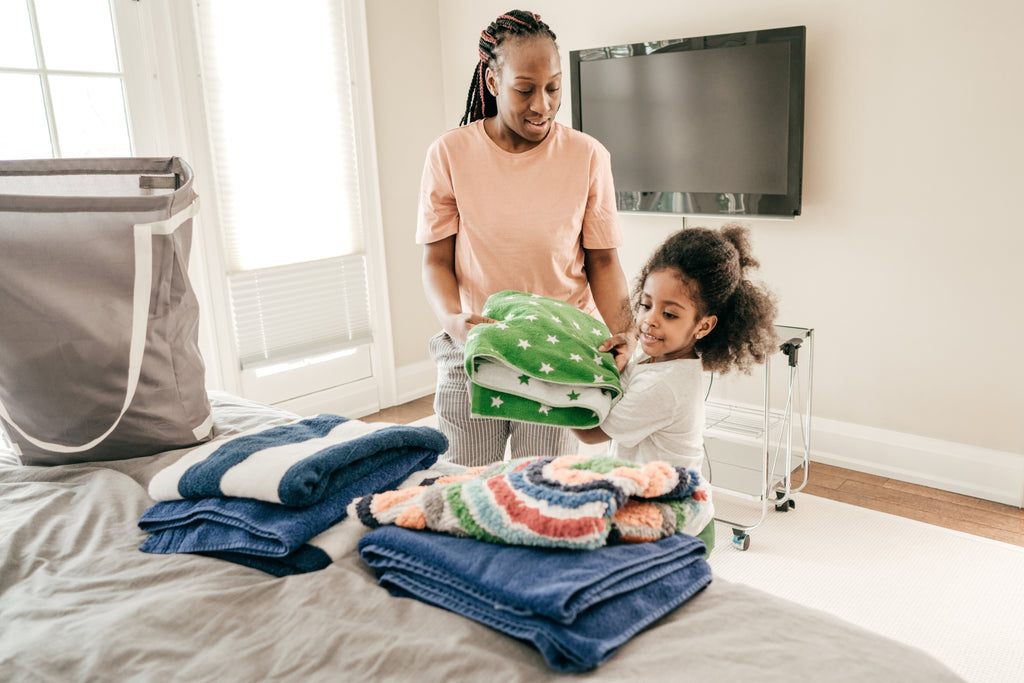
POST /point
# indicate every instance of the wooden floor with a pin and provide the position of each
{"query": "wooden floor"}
(941, 508)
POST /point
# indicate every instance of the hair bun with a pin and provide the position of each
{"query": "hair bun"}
(739, 237)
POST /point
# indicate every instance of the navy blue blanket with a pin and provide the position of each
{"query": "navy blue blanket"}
(274, 537)
(577, 607)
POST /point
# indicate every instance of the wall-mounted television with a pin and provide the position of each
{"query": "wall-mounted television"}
(710, 125)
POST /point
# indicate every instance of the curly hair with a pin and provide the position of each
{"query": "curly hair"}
(480, 103)
(714, 265)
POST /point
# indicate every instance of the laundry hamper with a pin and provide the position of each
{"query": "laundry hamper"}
(99, 323)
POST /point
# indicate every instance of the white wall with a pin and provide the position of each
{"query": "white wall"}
(904, 260)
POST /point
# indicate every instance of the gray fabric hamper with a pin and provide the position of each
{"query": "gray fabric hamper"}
(99, 324)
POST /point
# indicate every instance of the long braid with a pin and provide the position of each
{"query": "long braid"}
(480, 103)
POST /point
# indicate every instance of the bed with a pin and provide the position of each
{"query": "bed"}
(79, 601)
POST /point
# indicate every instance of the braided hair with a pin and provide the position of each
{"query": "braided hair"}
(480, 103)
(713, 264)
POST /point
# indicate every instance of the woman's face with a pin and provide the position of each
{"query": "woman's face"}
(528, 89)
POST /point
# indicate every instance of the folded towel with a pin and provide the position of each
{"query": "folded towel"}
(296, 464)
(539, 363)
(273, 537)
(576, 607)
(568, 501)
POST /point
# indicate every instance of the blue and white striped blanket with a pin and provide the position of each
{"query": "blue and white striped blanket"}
(214, 501)
(296, 464)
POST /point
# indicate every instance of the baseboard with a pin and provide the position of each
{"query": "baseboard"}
(969, 470)
(415, 380)
(354, 399)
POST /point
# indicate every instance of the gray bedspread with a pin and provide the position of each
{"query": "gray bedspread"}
(80, 602)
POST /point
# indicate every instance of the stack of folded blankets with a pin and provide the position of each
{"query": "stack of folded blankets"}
(538, 362)
(272, 498)
(574, 555)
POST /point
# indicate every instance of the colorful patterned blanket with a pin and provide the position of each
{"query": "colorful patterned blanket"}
(568, 501)
(539, 363)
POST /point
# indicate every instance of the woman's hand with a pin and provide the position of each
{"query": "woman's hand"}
(621, 346)
(458, 326)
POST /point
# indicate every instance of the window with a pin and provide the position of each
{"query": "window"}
(269, 104)
(285, 156)
(62, 83)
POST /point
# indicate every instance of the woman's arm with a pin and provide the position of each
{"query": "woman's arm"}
(591, 436)
(608, 284)
(442, 289)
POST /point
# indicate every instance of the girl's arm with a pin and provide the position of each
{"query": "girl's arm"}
(442, 289)
(608, 284)
(591, 436)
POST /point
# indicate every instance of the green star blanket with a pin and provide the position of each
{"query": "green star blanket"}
(539, 363)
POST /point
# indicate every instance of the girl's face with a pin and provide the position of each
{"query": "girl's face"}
(528, 89)
(669, 318)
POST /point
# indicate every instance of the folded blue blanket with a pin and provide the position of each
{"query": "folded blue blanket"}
(296, 464)
(268, 536)
(577, 607)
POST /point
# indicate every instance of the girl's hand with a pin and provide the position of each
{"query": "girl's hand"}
(460, 324)
(621, 346)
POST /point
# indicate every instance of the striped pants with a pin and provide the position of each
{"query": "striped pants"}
(481, 441)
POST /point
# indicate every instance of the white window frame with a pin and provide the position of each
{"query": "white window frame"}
(158, 43)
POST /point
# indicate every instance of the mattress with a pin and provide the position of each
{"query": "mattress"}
(79, 601)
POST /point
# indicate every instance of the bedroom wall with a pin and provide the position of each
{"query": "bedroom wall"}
(905, 258)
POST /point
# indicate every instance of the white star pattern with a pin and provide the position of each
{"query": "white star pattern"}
(542, 339)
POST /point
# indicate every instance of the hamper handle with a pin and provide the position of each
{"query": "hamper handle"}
(143, 239)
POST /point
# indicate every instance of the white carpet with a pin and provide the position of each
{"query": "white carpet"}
(956, 596)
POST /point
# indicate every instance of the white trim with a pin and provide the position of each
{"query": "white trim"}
(945, 465)
(415, 380)
(383, 354)
(352, 400)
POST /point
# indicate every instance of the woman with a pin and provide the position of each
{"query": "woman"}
(513, 200)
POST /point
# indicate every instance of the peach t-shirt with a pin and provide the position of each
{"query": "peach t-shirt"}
(521, 220)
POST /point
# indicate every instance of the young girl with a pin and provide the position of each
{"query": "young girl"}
(512, 200)
(696, 310)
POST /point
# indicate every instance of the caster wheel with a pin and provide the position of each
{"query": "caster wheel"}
(784, 506)
(741, 541)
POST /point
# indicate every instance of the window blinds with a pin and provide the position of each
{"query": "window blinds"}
(291, 312)
(278, 97)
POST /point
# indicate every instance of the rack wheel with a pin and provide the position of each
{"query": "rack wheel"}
(784, 506)
(740, 539)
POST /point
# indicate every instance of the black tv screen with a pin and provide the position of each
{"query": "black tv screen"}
(708, 125)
